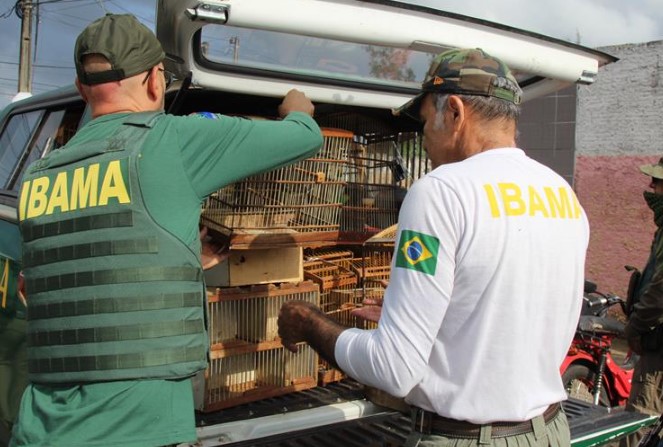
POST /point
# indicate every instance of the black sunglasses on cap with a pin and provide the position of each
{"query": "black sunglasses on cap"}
(168, 76)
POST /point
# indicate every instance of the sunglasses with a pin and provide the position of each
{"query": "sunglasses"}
(168, 76)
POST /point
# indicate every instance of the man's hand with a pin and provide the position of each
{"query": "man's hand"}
(212, 252)
(370, 313)
(294, 323)
(372, 307)
(300, 321)
(295, 101)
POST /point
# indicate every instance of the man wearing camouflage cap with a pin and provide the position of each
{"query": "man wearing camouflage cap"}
(644, 331)
(487, 275)
(116, 299)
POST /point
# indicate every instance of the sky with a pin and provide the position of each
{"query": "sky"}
(592, 23)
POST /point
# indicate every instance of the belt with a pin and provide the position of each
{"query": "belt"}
(427, 422)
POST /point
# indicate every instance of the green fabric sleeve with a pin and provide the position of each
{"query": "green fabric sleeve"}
(216, 152)
(187, 158)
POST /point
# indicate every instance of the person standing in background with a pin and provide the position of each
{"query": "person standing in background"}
(644, 330)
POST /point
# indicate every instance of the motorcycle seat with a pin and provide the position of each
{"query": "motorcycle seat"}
(600, 325)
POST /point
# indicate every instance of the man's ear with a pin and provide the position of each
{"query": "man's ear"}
(456, 112)
(154, 84)
(79, 87)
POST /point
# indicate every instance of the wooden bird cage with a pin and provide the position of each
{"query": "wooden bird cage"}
(248, 361)
(331, 270)
(299, 203)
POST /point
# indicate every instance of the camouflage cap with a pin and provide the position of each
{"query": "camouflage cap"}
(466, 72)
(653, 170)
(129, 46)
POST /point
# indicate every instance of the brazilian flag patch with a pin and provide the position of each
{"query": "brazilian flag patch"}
(417, 251)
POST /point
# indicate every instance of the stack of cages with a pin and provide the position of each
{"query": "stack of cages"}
(374, 265)
(268, 220)
(331, 270)
(328, 205)
(247, 360)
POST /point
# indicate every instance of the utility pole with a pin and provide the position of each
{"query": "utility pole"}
(25, 59)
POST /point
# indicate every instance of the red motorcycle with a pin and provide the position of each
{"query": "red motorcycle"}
(589, 371)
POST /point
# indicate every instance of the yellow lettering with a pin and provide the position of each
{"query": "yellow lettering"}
(577, 210)
(4, 282)
(84, 188)
(492, 200)
(38, 199)
(536, 204)
(59, 195)
(559, 207)
(113, 185)
(24, 200)
(514, 205)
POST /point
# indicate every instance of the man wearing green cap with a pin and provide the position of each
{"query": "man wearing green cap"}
(644, 331)
(486, 280)
(111, 247)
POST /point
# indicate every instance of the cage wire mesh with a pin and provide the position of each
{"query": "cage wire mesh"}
(378, 179)
(248, 362)
(304, 197)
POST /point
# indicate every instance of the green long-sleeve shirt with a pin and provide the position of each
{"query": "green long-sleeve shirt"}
(183, 160)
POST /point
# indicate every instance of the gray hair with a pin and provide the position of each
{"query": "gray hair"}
(488, 107)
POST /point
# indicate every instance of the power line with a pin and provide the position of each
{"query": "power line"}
(52, 16)
(144, 19)
(62, 67)
(37, 83)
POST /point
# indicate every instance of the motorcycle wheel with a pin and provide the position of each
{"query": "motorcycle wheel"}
(579, 384)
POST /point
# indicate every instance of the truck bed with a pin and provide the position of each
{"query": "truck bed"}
(339, 414)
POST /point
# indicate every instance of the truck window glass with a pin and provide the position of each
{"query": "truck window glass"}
(13, 141)
(311, 56)
(57, 128)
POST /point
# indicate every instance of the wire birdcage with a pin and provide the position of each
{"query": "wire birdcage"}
(248, 361)
(304, 197)
(378, 179)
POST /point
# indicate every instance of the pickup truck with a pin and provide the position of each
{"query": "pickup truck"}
(356, 60)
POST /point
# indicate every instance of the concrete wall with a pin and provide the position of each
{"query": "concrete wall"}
(619, 127)
(547, 131)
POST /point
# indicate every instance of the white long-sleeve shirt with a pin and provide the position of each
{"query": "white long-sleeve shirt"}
(485, 292)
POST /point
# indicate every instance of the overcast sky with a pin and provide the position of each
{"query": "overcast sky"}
(592, 23)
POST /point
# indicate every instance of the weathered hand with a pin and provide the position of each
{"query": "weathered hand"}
(294, 323)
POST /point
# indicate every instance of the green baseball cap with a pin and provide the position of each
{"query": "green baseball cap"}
(129, 46)
(654, 170)
(466, 72)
